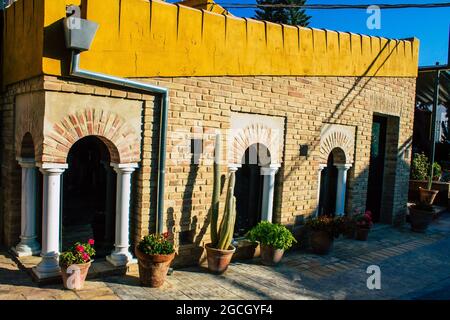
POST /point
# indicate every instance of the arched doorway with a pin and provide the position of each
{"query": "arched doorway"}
(89, 196)
(249, 188)
(333, 178)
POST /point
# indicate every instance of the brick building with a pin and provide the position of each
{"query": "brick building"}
(312, 121)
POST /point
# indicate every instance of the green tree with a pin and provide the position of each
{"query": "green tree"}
(293, 16)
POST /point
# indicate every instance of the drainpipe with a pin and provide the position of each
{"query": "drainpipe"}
(79, 39)
(75, 71)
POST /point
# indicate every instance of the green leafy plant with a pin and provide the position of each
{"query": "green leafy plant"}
(328, 224)
(419, 167)
(222, 236)
(437, 171)
(271, 234)
(79, 253)
(156, 244)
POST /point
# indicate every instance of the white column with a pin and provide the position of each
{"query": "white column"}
(28, 245)
(319, 181)
(121, 255)
(49, 266)
(268, 191)
(341, 187)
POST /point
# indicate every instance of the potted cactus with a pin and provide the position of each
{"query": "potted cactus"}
(220, 251)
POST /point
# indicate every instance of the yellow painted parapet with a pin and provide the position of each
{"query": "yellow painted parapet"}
(207, 5)
(140, 38)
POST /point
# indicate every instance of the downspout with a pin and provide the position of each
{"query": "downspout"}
(75, 71)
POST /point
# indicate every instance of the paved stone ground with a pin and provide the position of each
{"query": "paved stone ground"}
(413, 266)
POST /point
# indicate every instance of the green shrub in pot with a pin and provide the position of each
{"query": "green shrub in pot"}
(274, 239)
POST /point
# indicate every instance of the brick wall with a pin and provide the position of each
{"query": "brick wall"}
(204, 104)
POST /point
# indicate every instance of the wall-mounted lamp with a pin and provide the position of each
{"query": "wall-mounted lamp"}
(79, 33)
(304, 150)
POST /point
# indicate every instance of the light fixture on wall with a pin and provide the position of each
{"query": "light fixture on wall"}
(304, 150)
(79, 33)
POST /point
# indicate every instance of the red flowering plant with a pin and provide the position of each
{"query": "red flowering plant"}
(364, 220)
(79, 253)
(156, 244)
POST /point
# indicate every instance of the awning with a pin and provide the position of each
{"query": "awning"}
(426, 82)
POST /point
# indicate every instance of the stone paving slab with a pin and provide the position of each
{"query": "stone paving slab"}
(413, 266)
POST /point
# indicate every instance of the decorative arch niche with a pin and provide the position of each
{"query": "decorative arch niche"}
(337, 136)
(337, 144)
(261, 138)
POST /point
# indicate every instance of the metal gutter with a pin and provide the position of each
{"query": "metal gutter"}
(434, 68)
(75, 71)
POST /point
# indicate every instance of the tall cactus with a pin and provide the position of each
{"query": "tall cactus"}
(221, 238)
(216, 192)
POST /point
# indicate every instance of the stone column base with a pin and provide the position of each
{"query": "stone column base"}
(121, 259)
(26, 250)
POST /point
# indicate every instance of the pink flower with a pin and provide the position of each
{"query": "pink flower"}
(91, 242)
(80, 248)
(165, 235)
(85, 257)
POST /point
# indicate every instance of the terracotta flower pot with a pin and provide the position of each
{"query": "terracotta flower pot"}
(349, 234)
(270, 256)
(427, 196)
(218, 260)
(153, 268)
(321, 242)
(362, 233)
(75, 275)
(419, 218)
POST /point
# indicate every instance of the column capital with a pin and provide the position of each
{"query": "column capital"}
(343, 166)
(234, 167)
(124, 167)
(270, 169)
(26, 162)
(52, 168)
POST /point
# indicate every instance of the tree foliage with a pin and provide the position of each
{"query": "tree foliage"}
(291, 16)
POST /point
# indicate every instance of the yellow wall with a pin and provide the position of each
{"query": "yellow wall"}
(23, 40)
(140, 38)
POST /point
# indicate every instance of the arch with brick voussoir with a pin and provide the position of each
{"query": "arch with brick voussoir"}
(119, 137)
(255, 134)
(340, 143)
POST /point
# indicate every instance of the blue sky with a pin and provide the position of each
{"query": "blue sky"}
(431, 26)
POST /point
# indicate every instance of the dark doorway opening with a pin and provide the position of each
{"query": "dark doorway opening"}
(85, 211)
(328, 188)
(376, 167)
(249, 188)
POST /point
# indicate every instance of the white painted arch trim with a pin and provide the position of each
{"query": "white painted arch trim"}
(337, 136)
(248, 129)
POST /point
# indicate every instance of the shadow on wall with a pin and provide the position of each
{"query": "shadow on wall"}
(192, 233)
(347, 101)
